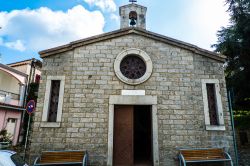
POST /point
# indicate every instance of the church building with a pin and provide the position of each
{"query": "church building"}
(131, 97)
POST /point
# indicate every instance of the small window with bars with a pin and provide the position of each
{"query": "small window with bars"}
(213, 109)
(212, 104)
(53, 101)
(54, 98)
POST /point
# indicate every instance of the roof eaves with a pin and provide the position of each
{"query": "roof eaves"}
(99, 38)
(132, 30)
(20, 62)
(25, 62)
(82, 42)
(55, 50)
(182, 44)
(11, 107)
(13, 70)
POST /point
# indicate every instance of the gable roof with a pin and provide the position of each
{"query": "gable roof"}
(25, 62)
(12, 70)
(132, 30)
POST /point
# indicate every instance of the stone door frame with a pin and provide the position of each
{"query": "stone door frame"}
(133, 100)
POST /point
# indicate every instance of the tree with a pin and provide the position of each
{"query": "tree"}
(234, 42)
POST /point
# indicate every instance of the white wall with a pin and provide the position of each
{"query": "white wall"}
(26, 69)
(8, 83)
(22, 68)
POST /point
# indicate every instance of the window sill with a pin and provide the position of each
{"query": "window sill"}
(51, 124)
(216, 128)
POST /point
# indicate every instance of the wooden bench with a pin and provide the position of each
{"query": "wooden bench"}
(203, 155)
(62, 158)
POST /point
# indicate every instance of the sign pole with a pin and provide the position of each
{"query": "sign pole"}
(26, 138)
(30, 108)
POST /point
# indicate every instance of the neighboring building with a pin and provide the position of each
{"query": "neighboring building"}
(131, 96)
(14, 78)
(12, 93)
(31, 67)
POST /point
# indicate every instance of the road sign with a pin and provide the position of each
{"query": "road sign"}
(30, 108)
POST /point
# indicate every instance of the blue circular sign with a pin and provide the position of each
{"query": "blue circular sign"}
(30, 108)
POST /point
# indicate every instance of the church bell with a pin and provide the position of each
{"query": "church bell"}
(133, 18)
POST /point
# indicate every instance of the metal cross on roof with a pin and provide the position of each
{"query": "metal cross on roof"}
(132, 1)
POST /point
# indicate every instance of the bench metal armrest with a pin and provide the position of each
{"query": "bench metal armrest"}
(229, 157)
(36, 160)
(181, 158)
(85, 159)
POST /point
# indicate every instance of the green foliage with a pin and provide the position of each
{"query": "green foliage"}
(242, 119)
(234, 42)
(33, 91)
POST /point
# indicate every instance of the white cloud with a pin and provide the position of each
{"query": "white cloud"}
(43, 28)
(115, 17)
(16, 45)
(105, 5)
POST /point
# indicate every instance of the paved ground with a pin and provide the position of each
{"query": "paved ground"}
(244, 157)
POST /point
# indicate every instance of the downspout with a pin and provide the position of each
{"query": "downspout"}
(232, 124)
(29, 81)
(34, 71)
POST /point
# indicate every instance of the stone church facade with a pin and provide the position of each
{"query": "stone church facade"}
(131, 96)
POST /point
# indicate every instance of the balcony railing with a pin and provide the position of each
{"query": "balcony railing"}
(9, 97)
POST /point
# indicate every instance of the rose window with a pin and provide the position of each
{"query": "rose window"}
(133, 67)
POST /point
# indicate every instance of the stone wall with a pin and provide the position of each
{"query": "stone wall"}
(90, 80)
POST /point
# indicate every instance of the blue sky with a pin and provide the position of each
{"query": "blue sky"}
(29, 26)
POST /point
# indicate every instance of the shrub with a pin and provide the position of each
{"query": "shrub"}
(4, 136)
(242, 119)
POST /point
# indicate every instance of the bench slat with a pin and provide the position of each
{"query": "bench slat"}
(202, 151)
(62, 157)
(202, 158)
(204, 155)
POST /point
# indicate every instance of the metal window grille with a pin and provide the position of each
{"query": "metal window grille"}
(212, 104)
(54, 98)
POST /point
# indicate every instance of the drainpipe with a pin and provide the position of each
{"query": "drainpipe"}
(232, 124)
(34, 70)
(29, 81)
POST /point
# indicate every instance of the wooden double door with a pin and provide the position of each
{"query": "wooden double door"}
(132, 135)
